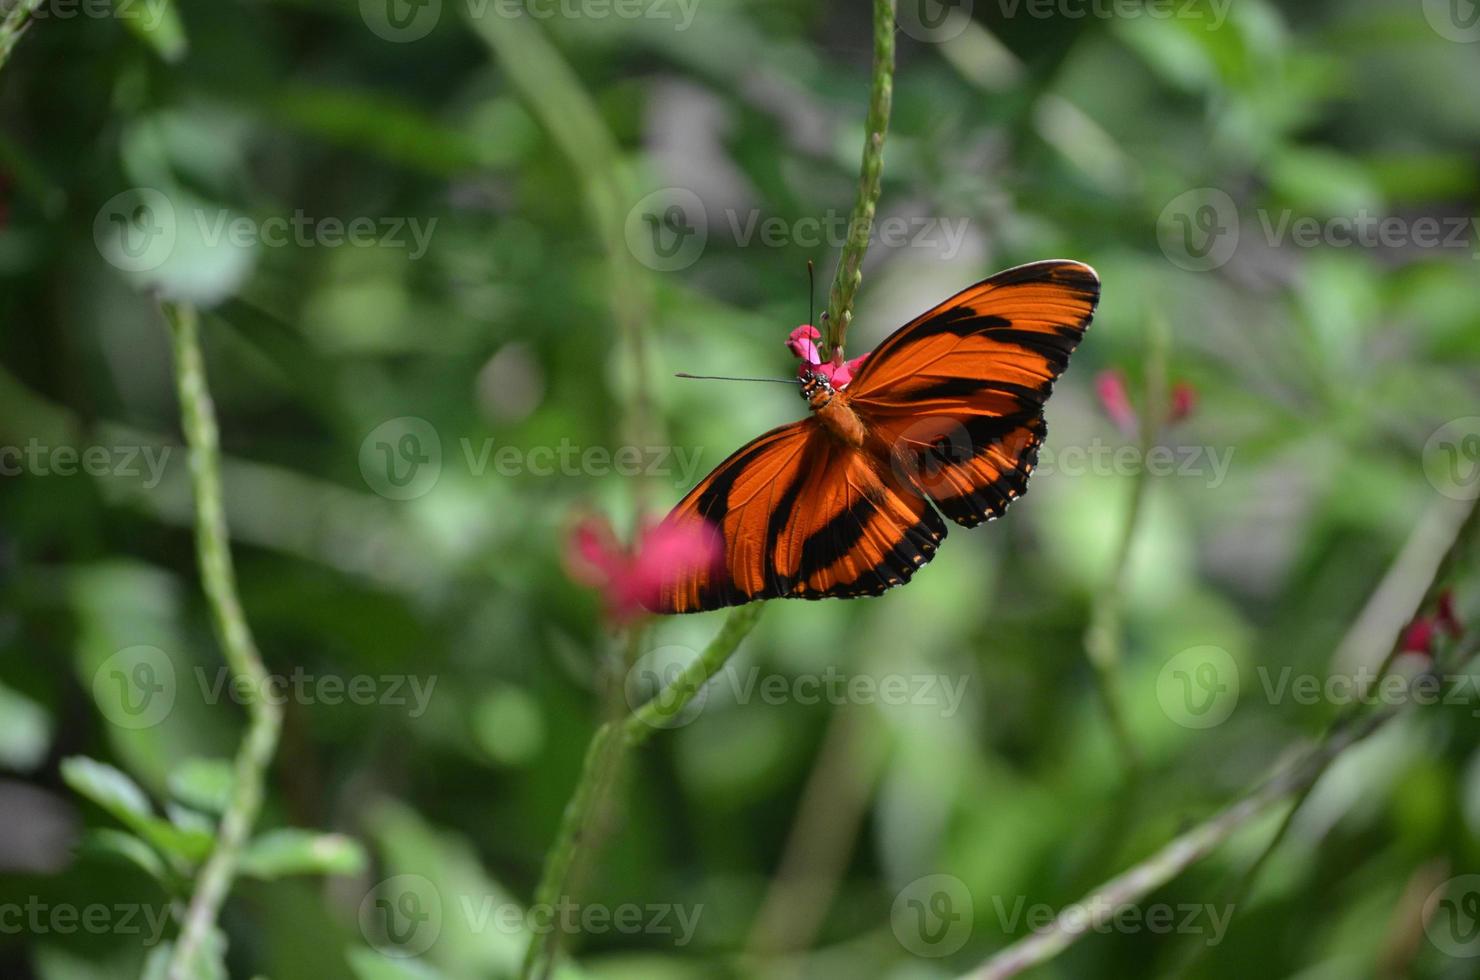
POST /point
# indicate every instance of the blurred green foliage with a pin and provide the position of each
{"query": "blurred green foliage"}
(1330, 376)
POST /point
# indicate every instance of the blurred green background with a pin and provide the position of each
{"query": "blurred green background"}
(448, 257)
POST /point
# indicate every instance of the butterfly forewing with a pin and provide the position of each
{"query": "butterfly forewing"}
(956, 396)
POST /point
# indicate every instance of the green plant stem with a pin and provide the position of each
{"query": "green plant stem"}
(213, 550)
(1240, 889)
(16, 20)
(1101, 904)
(1296, 781)
(1104, 638)
(603, 760)
(870, 178)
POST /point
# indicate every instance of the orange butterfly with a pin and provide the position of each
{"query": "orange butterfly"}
(950, 407)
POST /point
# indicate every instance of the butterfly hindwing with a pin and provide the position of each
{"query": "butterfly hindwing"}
(802, 516)
(956, 396)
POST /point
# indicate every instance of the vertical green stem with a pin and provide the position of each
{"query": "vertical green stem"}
(213, 551)
(1104, 639)
(611, 741)
(870, 177)
(603, 761)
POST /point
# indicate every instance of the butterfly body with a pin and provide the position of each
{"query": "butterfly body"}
(944, 418)
(831, 409)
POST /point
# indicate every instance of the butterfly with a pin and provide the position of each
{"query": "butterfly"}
(948, 411)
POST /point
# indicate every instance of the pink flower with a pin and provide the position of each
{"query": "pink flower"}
(1184, 400)
(1425, 629)
(802, 342)
(630, 579)
(1419, 636)
(1115, 399)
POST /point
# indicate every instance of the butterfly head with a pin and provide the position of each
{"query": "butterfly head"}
(816, 387)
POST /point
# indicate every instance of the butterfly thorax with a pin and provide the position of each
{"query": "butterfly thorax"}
(832, 409)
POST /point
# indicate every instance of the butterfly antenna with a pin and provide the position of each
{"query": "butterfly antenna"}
(811, 290)
(719, 377)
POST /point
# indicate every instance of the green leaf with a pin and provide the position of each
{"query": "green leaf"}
(107, 842)
(122, 798)
(188, 819)
(25, 731)
(204, 784)
(292, 851)
(367, 964)
(158, 25)
(106, 786)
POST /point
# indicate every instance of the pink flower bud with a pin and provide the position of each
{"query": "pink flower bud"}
(1184, 401)
(1115, 400)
